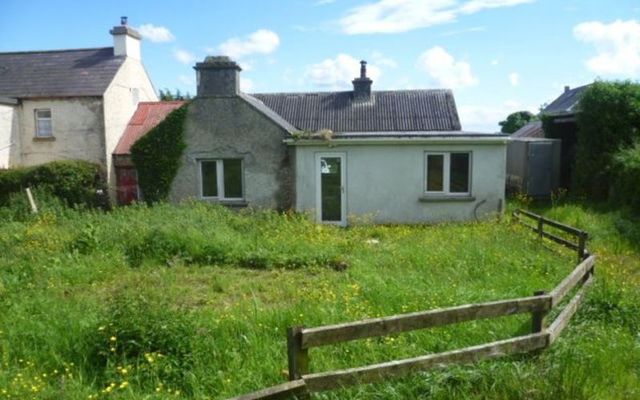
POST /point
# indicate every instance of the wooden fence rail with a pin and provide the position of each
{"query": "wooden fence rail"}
(300, 339)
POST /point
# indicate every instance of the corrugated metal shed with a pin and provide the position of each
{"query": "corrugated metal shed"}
(58, 73)
(399, 111)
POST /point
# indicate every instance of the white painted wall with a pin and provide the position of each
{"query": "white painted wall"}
(385, 183)
(130, 86)
(9, 132)
(78, 126)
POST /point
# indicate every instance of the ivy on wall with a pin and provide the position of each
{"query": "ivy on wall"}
(157, 155)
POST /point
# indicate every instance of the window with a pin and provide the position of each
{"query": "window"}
(221, 179)
(448, 173)
(43, 123)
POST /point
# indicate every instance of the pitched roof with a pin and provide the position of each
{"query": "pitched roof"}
(58, 73)
(566, 103)
(532, 129)
(392, 111)
(147, 115)
(269, 113)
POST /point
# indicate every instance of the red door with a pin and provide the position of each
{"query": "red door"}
(127, 183)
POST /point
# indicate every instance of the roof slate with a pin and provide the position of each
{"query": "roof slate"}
(532, 129)
(393, 111)
(566, 103)
(147, 115)
(58, 73)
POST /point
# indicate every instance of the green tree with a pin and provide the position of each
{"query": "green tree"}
(167, 95)
(608, 121)
(516, 121)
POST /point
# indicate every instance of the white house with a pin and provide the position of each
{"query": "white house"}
(396, 156)
(70, 104)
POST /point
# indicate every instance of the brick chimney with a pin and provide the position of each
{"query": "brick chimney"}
(217, 76)
(126, 40)
(362, 85)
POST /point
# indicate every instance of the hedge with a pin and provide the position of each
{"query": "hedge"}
(75, 182)
(625, 188)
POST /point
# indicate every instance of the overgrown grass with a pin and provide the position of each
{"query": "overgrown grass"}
(193, 301)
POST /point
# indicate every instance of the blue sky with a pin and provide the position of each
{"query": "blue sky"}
(498, 56)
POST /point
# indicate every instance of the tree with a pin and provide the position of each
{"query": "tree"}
(516, 121)
(608, 122)
(166, 95)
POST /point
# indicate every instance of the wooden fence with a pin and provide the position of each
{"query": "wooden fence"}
(300, 339)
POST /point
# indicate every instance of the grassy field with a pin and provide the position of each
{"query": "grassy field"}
(193, 301)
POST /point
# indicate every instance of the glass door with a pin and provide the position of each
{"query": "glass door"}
(331, 196)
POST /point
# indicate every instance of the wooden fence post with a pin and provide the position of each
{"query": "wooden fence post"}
(541, 227)
(537, 317)
(32, 202)
(298, 357)
(582, 243)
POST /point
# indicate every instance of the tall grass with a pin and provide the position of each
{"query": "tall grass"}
(193, 301)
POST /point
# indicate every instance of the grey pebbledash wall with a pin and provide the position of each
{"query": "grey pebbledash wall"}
(229, 127)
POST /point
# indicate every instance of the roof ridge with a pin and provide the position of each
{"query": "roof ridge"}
(163, 102)
(350, 91)
(55, 51)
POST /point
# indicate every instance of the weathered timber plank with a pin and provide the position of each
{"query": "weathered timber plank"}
(572, 280)
(555, 224)
(563, 318)
(297, 356)
(560, 240)
(324, 335)
(393, 369)
(287, 390)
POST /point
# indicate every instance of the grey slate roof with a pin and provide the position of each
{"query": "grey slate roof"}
(269, 113)
(58, 73)
(389, 111)
(532, 129)
(566, 103)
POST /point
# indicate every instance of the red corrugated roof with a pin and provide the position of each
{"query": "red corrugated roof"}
(148, 115)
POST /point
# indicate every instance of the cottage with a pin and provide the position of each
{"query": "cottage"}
(387, 156)
(70, 104)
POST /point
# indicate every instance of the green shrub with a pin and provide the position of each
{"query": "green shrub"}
(608, 119)
(75, 182)
(626, 171)
(157, 156)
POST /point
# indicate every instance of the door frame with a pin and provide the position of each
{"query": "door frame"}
(343, 187)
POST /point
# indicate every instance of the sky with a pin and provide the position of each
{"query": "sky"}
(498, 56)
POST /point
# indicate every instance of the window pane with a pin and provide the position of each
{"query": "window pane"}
(209, 178)
(43, 113)
(435, 172)
(232, 178)
(331, 188)
(44, 127)
(459, 176)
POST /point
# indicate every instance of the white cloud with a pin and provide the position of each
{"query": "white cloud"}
(338, 72)
(444, 70)
(381, 60)
(246, 84)
(156, 34)
(394, 16)
(485, 118)
(514, 79)
(262, 41)
(184, 56)
(617, 46)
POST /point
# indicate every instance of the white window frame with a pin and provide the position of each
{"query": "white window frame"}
(220, 179)
(37, 120)
(446, 172)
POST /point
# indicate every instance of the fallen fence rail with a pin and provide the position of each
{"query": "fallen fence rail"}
(300, 339)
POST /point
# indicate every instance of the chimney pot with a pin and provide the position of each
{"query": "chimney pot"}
(362, 85)
(123, 20)
(217, 76)
(566, 89)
